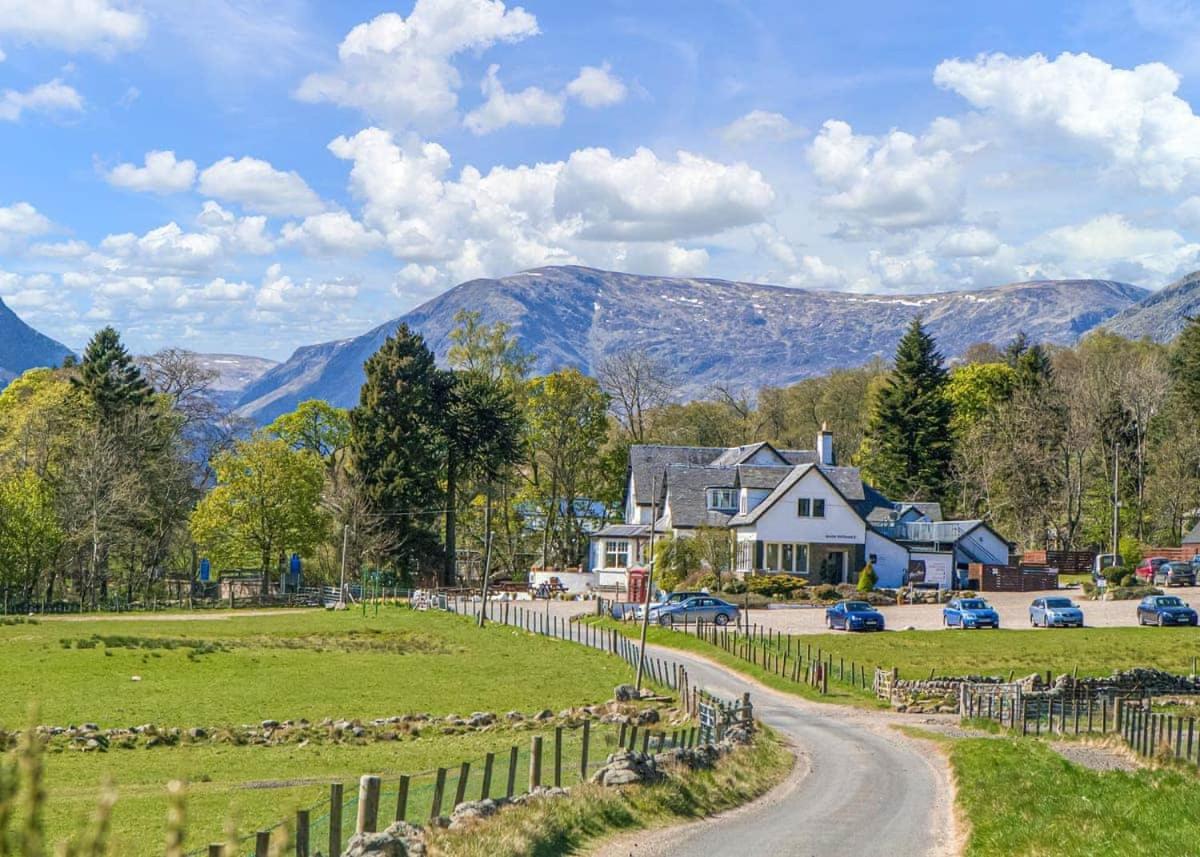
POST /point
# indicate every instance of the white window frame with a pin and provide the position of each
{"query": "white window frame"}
(612, 551)
(717, 495)
(806, 507)
(797, 550)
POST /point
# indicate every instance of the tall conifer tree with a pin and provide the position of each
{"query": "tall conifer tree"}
(910, 444)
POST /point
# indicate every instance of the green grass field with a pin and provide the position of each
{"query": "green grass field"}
(286, 665)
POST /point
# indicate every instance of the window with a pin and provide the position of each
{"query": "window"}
(724, 499)
(745, 556)
(616, 553)
(785, 558)
(809, 507)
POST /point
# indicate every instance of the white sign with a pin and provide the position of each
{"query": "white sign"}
(939, 568)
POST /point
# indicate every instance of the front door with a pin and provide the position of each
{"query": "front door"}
(835, 566)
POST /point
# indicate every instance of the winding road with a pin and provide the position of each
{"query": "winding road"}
(861, 787)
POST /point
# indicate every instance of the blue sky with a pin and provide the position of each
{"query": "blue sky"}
(254, 176)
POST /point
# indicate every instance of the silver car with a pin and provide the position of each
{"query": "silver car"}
(1055, 612)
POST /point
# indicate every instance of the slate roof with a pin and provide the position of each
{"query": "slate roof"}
(757, 476)
(794, 475)
(688, 498)
(1193, 537)
(649, 461)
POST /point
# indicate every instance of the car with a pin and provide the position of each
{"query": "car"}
(1148, 569)
(854, 616)
(1177, 574)
(1165, 610)
(673, 598)
(1102, 565)
(1055, 612)
(969, 613)
(699, 608)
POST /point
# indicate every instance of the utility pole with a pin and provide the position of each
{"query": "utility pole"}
(341, 602)
(1116, 509)
(649, 581)
(487, 553)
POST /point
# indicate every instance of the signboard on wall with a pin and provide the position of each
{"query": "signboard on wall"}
(939, 568)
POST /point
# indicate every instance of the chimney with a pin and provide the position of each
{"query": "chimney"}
(825, 446)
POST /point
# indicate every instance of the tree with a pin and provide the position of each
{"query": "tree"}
(316, 426)
(714, 550)
(978, 389)
(397, 446)
(487, 349)
(1185, 364)
(910, 443)
(110, 377)
(30, 535)
(674, 559)
(566, 422)
(867, 578)
(266, 503)
(637, 383)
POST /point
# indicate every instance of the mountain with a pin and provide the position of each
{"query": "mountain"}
(22, 347)
(1163, 314)
(711, 331)
(235, 372)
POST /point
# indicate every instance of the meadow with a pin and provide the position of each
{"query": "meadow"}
(242, 669)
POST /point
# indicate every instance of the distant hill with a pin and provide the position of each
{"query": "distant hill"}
(22, 347)
(1163, 314)
(712, 331)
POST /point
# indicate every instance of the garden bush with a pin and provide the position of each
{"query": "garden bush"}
(1131, 593)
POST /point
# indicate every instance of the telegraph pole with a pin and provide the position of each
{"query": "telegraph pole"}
(341, 602)
(649, 581)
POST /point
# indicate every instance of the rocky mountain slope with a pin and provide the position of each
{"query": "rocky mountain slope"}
(1161, 315)
(713, 331)
(22, 347)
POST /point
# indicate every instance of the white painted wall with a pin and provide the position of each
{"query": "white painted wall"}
(780, 523)
(766, 458)
(986, 545)
(891, 560)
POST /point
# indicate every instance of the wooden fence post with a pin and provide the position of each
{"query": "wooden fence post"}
(402, 799)
(558, 732)
(216, 850)
(302, 833)
(460, 793)
(535, 763)
(262, 843)
(511, 785)
(368, 804)
(336, 799)
(484, 790)
(439, 789)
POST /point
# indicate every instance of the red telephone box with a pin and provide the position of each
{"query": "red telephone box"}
(637, 584)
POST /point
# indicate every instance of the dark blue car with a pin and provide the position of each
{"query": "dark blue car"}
(969, 613)
(1165, 610)
(854, 616)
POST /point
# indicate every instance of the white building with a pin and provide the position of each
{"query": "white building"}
(789, 512)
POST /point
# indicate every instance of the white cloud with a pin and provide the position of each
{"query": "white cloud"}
(597, 87)
(161, 173)
(238, 235)
(61, 250)
(644, 198)
(22, 219)
(400, 72)
(332, 233)
(3, 57)
(897, 181)
(904, 273)
(221, 290)
(531, 106)
(1110, 246)
(165, 248)
(760, 126)
(971, 241)
(54, 98)
(73, 25)
(1132, 116)
(258, 186)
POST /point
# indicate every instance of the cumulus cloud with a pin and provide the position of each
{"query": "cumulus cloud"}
(531, 106)
(760, 126)
(258, 186)
(1110, 246)
(167, 247)
(53, 98)
(597, 87)
(22, 220)
(400, 71)
(904, 272)
(160, 173)
(74, 25)
(971, 241)
(332, 233)
(73, 249)
(238, 235)
(897, 181)
(1132, 116)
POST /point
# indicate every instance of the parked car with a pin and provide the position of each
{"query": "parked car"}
(854, 616)
(969, 613)
(673, 598)
(1176, 573)
(1102, 565)
(1165, 610)
(1055, 612)
(1149, 569)
(700, 608)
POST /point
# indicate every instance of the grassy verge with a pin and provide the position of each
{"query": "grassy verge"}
(838, 692)
(591, 813)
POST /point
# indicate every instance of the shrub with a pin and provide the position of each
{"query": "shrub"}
(735, 587)
(1088, 588)
(867, 578)
(1132, 593)
(825, 592)
(775, 585)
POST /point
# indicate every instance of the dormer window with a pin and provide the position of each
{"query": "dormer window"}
(722, 499)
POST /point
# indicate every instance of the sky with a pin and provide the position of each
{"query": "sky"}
(248, 177)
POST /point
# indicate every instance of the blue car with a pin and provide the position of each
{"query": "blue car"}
(854, 616)
(969, 613)
(1165, 610)
(698, 608)
(1055, 612)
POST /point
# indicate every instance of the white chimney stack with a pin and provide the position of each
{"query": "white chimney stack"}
(825, 446)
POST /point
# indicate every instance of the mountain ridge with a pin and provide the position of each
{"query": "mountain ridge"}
(714, 331)
(22, 347)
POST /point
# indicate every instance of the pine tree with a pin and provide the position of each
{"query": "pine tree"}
(1185, 365)
(110, 378)
(397, 445)
(909, 442)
